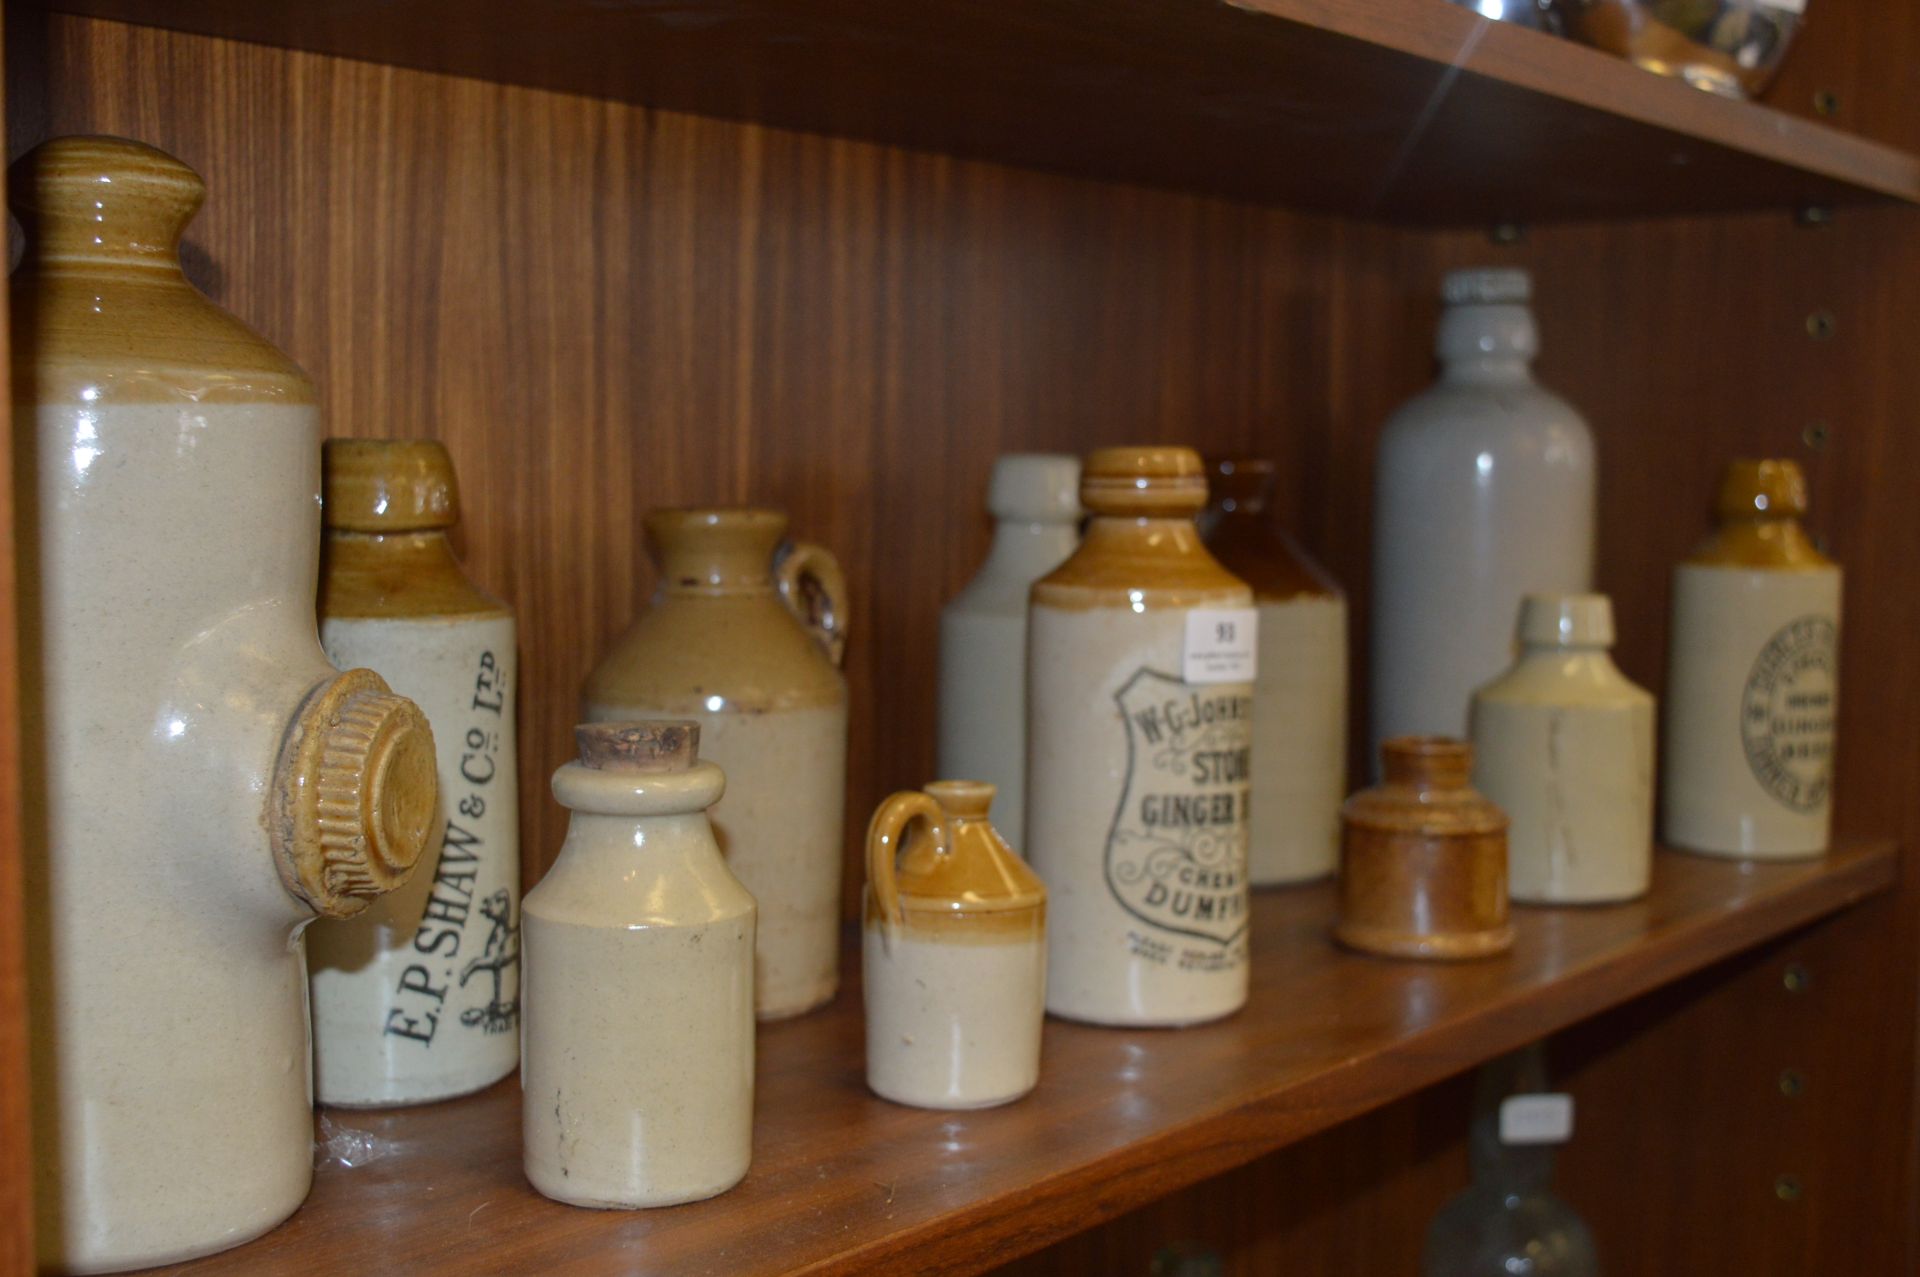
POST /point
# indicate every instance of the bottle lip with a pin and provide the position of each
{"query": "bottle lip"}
(1439, 762)
(1566, 620)
(1241, 485)
(1144, 480)
(1035, 487)
(388, 485)
(1762, 488)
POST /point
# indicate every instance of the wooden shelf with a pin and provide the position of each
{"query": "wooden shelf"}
(1406, 110)
(843, 1182)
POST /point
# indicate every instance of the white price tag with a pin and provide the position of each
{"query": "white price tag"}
(1536, 1119)
(1788, 6)
(1219, 646)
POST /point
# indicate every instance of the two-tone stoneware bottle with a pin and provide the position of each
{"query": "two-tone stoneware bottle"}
(1300, 694)
(1753, 679)
(1035, 501)
(1563, 742)
(744, 636)
(1140, 669)
(1423, 858)
(955, 954)
(418, 997)
(638, 1075)
(199, 783)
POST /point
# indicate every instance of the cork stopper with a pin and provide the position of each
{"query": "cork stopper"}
(1426, 762)
(355, 794)
(103, 201)
(1762, 489)
(1241, 485)
(388, 485)
(651, 745)
(963, 799)
(1142, 481)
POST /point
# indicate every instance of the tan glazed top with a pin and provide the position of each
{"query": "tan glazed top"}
(388, 505)
(936, 863)
(1759, 509)
(100, 303)
(1141, 550)
(1238, 528)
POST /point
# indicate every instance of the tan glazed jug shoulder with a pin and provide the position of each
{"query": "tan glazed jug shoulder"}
(744, 636)
(418, 998)
(954, 928)
(188, 749)
(1140, 717)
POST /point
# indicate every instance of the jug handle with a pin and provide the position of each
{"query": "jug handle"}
(885, 836)
(826, 616)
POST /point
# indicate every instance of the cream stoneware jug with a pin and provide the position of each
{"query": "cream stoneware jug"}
(955, 952)
(638, 1069)
(1140, 669)
(732, 642)
(200, 782)
(418, 997)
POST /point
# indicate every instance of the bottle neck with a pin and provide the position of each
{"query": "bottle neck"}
(1508, 1168)
(700, 570)
(1486, 370)
(1027, 549)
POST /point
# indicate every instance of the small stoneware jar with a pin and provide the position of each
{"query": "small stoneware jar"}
(637, 1065)
(1753, 683)
(1300, 692)
(744, 636)
(1423, 868)
(418, 998)
(955, 953)
(1563, 742)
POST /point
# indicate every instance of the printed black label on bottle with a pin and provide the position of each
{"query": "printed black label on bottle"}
(1787, 711)
(1177, 854)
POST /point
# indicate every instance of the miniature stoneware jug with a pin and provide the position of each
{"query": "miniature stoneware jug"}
(200, 782)
(1483, 493)
(1423, 858)
(637, 1079)
(1753, 683)
(1300, 694)
(955, 953)
(731, 642)
(1035, 502)
(1140, 668)
(418, 997)
(1563, 743)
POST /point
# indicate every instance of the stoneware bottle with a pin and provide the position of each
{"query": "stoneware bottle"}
(1035, 501)
(1753, 684)
(1483, 492)
(199, 782)
(1300, 696)
(418, 998)
(1563, 743)
(731, 642)
(1423, 858)
(1140, 668)
(955, 953)
(638, 1076)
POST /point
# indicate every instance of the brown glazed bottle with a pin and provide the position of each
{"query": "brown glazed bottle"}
(1300, 692)
(1423, 869)
(730, 642)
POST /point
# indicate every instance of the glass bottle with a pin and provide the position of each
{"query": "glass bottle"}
(1484, 492)
(1300, 692)
(1509, 1222)
(1035, 500)
(1139, 709)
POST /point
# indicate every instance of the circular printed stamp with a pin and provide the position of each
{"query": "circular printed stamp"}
(1787, 711)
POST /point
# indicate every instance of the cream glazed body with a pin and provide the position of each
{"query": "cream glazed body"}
(1137, 777)
(417, 998)
(638, 1060)
(1035, 501)
(1563, 743)
(1483, 493)
(184, 727)
(728, 642)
